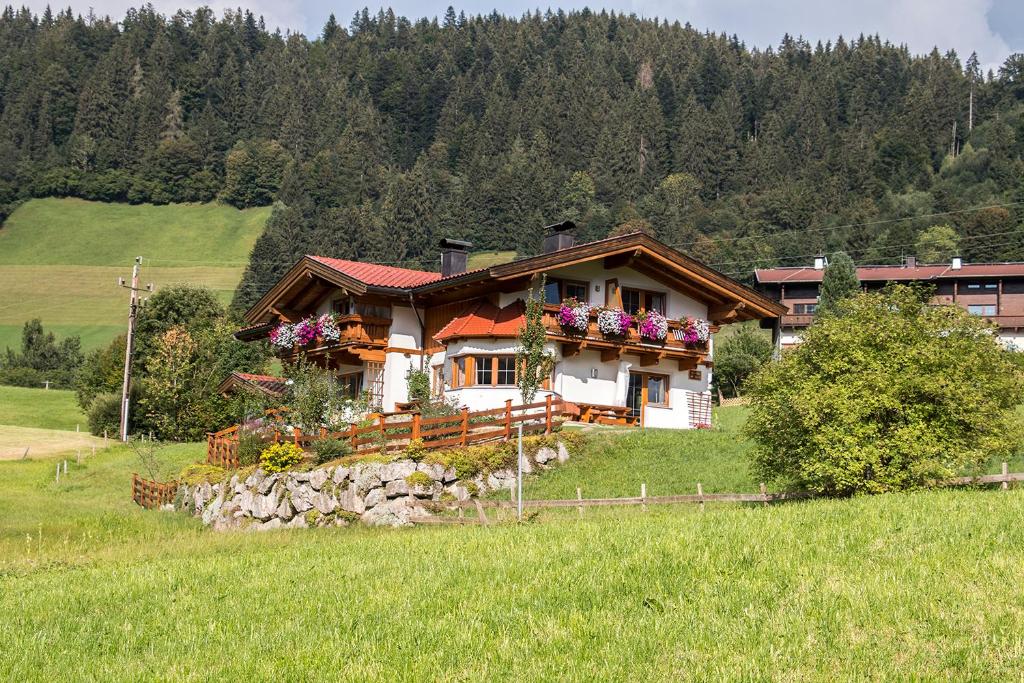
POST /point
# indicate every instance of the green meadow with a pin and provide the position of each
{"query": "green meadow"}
(920, 586)
(60, 259)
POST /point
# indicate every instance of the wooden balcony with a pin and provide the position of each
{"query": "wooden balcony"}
(612, 348)
(797, 320)
(359, 334)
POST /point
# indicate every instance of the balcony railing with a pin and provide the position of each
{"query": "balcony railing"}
(632, 339)
(355, 330)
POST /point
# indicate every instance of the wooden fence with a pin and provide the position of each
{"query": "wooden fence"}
(152, 494)
(395, 431)
(700, 498)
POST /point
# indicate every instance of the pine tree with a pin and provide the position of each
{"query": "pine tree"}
(839, 282)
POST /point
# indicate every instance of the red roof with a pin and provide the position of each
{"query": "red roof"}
(895, 273)
(378, 275)
(484, 319)
(275, 386)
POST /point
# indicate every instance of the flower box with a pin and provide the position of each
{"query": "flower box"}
(614, 322)
(574, 316)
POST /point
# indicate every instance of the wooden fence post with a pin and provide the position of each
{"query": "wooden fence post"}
(764, 493)
(415, 425)
(547, 414)
(700, 494)
(352, 436)
(465, 426)
(297, 434)
(643, 497)
(1006, 476)
(579, 497)
(480, 513)
(508, 419)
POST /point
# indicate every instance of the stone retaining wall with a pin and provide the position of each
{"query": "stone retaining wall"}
(377, 494)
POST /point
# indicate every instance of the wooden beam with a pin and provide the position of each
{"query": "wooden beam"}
(726, 312)
(647, 359)
(622, 260)
(371, 355)
(609, 355)
(570, 349)
(687, 364)
(691, 289)
(286, 314)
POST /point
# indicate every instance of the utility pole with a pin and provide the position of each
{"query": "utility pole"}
(129, 348)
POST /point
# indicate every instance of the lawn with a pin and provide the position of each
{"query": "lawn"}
(41, 408)
(872, 588)
(52, 247)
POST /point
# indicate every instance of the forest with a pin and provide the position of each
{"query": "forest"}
(374, 140)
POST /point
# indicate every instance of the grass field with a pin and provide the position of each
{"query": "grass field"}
(60, 259)
(43, 421)
(882, 588)
(486, 259)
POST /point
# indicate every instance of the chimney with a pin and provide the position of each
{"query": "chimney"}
(957, 264)
(911, 262)
(454, 255)
(819, 263)
(559, 236)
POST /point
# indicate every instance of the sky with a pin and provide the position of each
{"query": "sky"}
(992, 28)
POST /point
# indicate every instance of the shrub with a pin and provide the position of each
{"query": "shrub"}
(197, 473)
(105, 414)
(419, 479)
(250, 447)
(280, 457)
(418, 385)
(330, 449)
(415, 450)
(888, 394)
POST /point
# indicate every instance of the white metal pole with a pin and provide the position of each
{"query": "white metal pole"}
(519, 478)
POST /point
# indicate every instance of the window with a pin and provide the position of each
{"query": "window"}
(483, 369)
(805, 309)
(656, 390)
(506, 370)
(486, 371)
(437, 381)
(982, 309)
(351, 384)
(635, 299)
(375, 383)
(350, 306)
(979, 286)
(556, 290)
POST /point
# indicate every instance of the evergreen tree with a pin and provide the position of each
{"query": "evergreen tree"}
(839, 282)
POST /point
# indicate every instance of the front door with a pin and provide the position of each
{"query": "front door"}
(635, 397)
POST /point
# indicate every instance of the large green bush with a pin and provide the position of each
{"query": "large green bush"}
(891, 394)
(105, 414)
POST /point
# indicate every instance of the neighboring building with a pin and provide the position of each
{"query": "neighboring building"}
(462, 327)
(266, 384)
(992, 290)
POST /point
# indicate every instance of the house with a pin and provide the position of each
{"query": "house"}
(992, 290)
(461, 326)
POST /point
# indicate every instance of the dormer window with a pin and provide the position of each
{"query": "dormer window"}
(349, 306)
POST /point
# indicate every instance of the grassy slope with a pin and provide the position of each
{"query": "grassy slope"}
(60, 259)
(53, 409)
(485, 259)
(880, 587)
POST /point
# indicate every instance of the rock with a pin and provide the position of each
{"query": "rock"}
(396, 488)
(325, 503)
(340, 475)
(285, 511)
(302, 498)
(502, 479)
(393, 513)
(375, 497)
(366, 478)
(397, 470)
(481, 484)
(300, 476)
(265, 507)
(459, 491)
(297, 523)
(246, 502)
(450, 475)
(167, 507)
(268, 483)
(317, 478)
(544, 455)
(432, 491)
(254, 479)
(563, 452)
(434, 471)
(351, 501)
(274, 523)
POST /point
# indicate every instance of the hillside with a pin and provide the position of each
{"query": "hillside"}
(60, 259)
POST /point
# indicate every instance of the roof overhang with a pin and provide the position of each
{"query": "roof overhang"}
(727, 299)
(295, 285)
